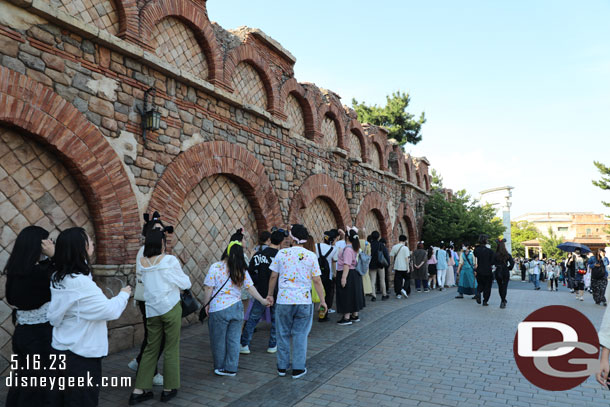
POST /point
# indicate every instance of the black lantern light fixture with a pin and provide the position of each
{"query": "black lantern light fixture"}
(151, 118)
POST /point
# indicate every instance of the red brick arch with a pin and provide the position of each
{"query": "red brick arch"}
(216, 158)
(335, 113)
(51, 120)
(321, 186)
(194, 17)
(379, 142)
(356, 128)
(249, 54)
(128, 19)
(292, 87)
(375, 202)
(406, 213)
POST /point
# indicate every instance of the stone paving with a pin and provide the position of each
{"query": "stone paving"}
(428, 350)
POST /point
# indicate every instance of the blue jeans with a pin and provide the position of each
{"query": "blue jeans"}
(419, 283)
(256, 313)
(225, 327)
(536, 278)
(293, 323)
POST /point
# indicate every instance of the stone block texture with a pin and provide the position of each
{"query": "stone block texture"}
(101, 13)
(248, 85)
(241, 142)
(329, 132)
(176, 44)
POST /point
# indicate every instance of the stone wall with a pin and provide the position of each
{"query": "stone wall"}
(241, 143)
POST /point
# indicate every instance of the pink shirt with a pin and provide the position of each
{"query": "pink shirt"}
(349, 257)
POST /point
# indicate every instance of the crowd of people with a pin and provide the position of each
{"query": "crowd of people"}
(579, 272)
(59, 310)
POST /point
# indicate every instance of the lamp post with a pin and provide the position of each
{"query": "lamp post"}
(151, 118)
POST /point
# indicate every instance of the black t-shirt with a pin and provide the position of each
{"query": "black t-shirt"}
(259, 270)
(503, 265)
(485, 259)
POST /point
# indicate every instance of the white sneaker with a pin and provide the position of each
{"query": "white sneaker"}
(398, 297)
(158, 380)
(222, 372)
(272, 350)
(133, 365)
(331, 311)
(582, 299)
(244, 350)
(403, 292)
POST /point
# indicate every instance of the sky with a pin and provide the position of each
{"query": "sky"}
(515, 92)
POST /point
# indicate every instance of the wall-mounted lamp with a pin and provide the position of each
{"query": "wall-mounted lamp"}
(151, 118)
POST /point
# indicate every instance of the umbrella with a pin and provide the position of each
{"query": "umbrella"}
(571, 247)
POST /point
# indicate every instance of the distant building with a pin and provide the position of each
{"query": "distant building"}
(591, 229)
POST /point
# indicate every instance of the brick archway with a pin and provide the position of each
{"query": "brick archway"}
(375, 202)
(357, 129)
(292, 87)
(405, 212)
(333, 111)
(249, 54)
(216, 158)
(196, 19)
(321, 186)
(50, 119)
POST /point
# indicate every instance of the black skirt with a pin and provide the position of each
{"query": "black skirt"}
(432, 269)
(351, 297)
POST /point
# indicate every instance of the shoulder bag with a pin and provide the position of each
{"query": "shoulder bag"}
(203, 314)
(189, 303)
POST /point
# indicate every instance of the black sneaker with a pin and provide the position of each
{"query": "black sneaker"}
(373, 299)
(485, 304)
(138, 398)
(168, 395)
(281, 372)
(354, 319)
(344, 321)
(298, 373)
(385, 297)
(478, 300)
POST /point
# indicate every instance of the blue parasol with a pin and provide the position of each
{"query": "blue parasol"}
(571, 247)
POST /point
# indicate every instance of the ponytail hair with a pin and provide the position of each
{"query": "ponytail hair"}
(352, 236)
(236, 264)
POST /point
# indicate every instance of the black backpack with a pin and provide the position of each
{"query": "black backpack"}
(323, 262)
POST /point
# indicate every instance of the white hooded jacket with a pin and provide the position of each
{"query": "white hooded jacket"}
(78, 312)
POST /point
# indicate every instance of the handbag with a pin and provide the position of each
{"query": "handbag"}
(189, 303)
(582, 271)
(381, 258)
(203, 314)
(138, 292)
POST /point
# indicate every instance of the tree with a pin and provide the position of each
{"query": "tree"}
(460, 220)
(549, 245)
(604, 183)
(521, 232)
(403, 126)
(437, 180)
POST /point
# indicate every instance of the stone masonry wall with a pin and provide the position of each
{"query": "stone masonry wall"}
(241, 143)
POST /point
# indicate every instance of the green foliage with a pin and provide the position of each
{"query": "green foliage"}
(549, 246)
(603, 183)
(460, 220)
(437, 179)
(403, 126)
(521, 232)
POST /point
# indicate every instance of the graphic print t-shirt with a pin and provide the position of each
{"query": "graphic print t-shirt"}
(296, 267)
(230, 293)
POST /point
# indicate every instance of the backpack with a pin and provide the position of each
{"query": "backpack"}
(381, 258)
(362, 266)
(323, 262)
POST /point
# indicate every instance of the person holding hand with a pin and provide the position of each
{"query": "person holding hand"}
(226, 279)
(295, 268)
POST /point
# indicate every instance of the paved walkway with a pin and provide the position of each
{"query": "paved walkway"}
(428, 350)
